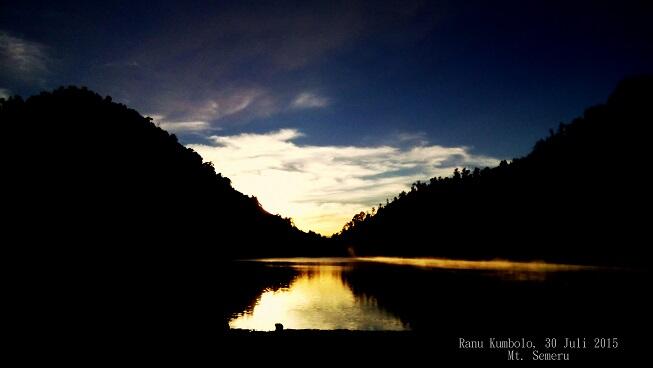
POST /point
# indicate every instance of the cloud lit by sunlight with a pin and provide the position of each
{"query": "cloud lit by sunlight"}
(322, 187)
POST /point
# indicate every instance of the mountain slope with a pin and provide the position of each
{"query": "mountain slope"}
(87, 166)
(115, 226)
(576, 197)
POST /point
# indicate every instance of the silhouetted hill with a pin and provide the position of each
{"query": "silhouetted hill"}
(580, 196)
(115, 223)
(88, 169)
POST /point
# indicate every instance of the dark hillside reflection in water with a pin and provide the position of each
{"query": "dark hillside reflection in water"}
(318, 298)
(446, 296)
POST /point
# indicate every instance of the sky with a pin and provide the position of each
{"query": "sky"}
(324, 109)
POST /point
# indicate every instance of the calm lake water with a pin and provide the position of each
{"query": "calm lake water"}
(384, 293)
(318, 298)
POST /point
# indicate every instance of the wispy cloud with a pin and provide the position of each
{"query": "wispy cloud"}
(199, 127)
(185, 126)
(22, 59)
(247, 58)
(239, 62)
(190, 113)
(414, 138)
(308, 100)
(4, 93)
(321, 187)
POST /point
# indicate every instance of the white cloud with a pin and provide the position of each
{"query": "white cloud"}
(230, 102)
(308, 100)
(322, 187)
(185, 112)
(184, 126)
(24, 59)
(4, 93)
(180, 126)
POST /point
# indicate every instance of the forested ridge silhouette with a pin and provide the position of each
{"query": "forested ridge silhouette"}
(578, 196)
(89, 169)
(115, 226)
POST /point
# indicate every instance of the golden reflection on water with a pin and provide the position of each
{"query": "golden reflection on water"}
(317, 299)
(443, 263)
(493, 265)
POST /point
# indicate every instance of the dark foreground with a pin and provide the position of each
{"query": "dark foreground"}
(580, 316)
(382, 347)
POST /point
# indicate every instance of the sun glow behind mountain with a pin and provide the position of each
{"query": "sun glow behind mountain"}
(321, 187)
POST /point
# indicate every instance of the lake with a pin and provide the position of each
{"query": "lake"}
(432, 295)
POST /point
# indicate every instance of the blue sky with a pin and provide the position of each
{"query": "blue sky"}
(325, 109)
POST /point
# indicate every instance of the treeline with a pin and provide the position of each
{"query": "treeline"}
(577, 197)
(86, 170)
(117, 231)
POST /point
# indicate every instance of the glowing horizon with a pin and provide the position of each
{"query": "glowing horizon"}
(322, 187)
